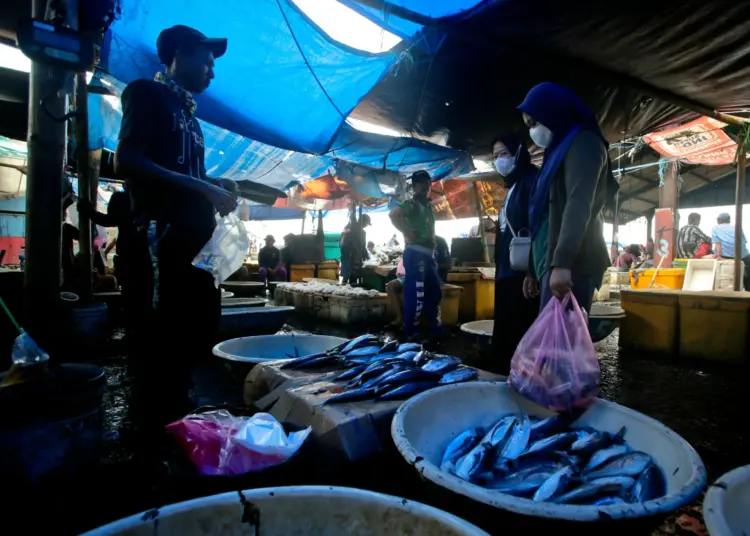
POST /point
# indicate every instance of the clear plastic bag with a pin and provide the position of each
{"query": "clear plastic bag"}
(26, 352)
(218, 443)
(555, 364)
(225, 252)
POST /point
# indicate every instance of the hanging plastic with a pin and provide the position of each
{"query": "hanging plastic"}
(227, 249)
(555, 364)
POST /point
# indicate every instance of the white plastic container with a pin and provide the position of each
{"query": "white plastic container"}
(725, 275)
(425, 424)
(700, 275)
(262, 348)
(294, 511)
(726, 508)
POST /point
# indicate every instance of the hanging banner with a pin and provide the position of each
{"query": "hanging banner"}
(702, 142)
(454, 199)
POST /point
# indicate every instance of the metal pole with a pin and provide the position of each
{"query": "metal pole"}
(46, 147)
(739, 200)
(304, 217)
(480, 212)
(85, 187)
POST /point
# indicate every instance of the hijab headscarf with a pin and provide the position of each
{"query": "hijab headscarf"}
(514, 144)
(565, 114)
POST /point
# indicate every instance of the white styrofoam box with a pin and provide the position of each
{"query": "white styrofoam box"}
(725, 275)
(700, 275)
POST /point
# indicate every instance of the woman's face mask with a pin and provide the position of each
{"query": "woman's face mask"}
(505, 164)
(541, 135)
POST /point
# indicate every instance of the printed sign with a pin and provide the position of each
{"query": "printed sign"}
(702, 141)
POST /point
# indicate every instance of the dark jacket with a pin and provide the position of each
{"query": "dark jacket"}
(517, 213)
(577, 196)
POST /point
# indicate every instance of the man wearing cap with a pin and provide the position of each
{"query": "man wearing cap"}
(723, 239)
(422, 285)
(269, 259)
(160, 155)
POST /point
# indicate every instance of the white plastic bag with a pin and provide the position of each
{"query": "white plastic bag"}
(225, 252)
(26, 352)
(262, 433)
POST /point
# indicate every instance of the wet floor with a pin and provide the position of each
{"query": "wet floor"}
(703, 402)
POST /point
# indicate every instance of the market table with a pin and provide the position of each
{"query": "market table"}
(342, 432)
(377, 276)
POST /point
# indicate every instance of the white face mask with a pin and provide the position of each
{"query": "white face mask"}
(541, 136)
(504, 165)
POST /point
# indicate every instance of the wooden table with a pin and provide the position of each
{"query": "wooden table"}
(342, 432)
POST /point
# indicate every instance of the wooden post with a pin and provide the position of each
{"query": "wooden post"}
(650, 226)
(738, 201)
(667, 219)
(614, 250)
(480, 213)
(304, 217)
(46, 146)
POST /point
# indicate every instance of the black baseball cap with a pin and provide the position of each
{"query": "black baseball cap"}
(420, 176)
(171, 39)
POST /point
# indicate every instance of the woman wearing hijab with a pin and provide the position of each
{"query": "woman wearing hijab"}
(513, 313)
(574, 184)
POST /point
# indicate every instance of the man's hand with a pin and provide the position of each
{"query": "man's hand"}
(224, 201)
(230, 186)
(85, 207)
(530, 288)
(560, 282)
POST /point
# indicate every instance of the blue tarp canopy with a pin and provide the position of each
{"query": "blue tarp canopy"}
(236, 157)
(283, 81)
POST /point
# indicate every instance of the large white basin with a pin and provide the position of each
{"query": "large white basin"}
(726, 508)
(425, 424)
(294, 511)
(261, 348)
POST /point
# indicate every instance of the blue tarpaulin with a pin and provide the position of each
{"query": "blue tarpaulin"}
(282, 82)
(236, 157)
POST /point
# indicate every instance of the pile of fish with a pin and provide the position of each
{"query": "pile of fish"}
(547, 460)
(329, 289)
(387, 370)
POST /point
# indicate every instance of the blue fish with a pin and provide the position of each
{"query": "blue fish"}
(363, 340)
(555, 485)
(601, 457)
(411, 375)
(473, 462)
(460, 446)
(350, 396)
(442, 364)
(592, 488)
(407, 390)
(364, 351)
(631, 464)
(350, 373)
(461, 374)
(552, 443)
(650, 484)
(500, 431)
(409, 347)
(390, 346)
(523, 482)
(421, 358)
(323, 360)
(517, 440)
(596, 441)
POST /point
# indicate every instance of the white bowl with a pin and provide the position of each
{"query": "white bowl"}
(425, 424)
(262, 348)
(333, 511)
(483, 328)
(726, 508)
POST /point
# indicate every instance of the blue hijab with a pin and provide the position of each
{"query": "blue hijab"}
(565, 114)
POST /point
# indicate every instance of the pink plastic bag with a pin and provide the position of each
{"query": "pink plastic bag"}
(400, 270)
(555, 364)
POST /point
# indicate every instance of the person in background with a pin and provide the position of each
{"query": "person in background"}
(487, 223)
(69, 235)
(269, 260)
(628, 258)
(422, 286)
(393, 242)
(574, 184)
(650, 249)
(442, 257)
(395, 291)
(514, 314)
(692, 243)
(161, 156)
(353, 250)
(724, 239)
(370, 251)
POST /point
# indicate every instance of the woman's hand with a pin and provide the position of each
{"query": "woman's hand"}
(560, 282)
(530, 288)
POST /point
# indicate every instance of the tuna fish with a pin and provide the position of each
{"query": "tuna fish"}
(596, 441)
(473, 463)
(594, 488)
(650, 484)
(552, 443)
(442, 364)
(350, 373)
(461, 374)
(601, 457)
(363, 340)
(410, 347)
(555, 485)
(350, 396)
(460, 446)
(407, 390)
(631, 464)
(517, 440)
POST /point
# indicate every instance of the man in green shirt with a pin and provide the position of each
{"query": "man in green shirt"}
(422, 286)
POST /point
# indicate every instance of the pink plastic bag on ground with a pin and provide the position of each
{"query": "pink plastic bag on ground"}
(555, 364)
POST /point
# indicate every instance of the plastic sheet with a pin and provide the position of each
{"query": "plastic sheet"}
(219, 443)
(227, 249)
(555, 364)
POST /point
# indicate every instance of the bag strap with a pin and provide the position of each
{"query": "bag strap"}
(505, 211)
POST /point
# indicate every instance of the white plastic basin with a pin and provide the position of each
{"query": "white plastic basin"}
(295, 511)
(726, 508)
(425, 424)
(263, 348)
(483, 328)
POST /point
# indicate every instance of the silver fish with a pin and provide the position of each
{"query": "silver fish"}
(596, 441)
(600, 457)
(555, 485)
(461, 374)
(613, 484)
(545, 427)
(631, 464)
(524, 482)
(650, 484)
(472, 463)
(552, 443)
(460, 446)
(441, 365)
(517, 440)
(499, 432)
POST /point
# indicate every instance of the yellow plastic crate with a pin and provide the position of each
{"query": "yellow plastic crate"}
(478, 297)
(651, 320)
(714, 325)
(666, 279)
(298, 272)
